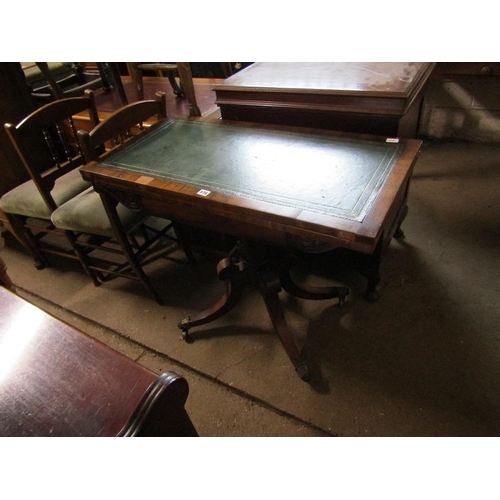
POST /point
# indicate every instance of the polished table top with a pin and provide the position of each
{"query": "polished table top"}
(396, 79)
(57, 381)
(360, 97)
(311, 184)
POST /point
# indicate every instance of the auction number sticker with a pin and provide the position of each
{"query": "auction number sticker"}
(203, 192)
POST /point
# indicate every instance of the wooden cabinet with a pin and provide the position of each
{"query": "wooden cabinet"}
(376, 98)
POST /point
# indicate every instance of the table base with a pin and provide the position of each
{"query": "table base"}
(254, 263)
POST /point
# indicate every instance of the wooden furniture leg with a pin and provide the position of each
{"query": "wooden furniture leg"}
(26, 239)
(116, 80)
(371, 268)
(252, 264)
(136, 77)
(173, 82)
(186, 79)
(110, 204)
(234, 275)
(269, 288)
(308, 291)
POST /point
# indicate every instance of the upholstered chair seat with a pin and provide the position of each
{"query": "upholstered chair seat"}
(85, 213)
(27, 201)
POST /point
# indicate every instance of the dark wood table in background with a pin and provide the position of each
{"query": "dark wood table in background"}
(57, 381)
(375, 98)
(276, 189)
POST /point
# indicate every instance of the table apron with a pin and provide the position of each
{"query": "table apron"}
(231, 221)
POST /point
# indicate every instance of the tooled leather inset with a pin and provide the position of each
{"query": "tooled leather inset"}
(334, 176)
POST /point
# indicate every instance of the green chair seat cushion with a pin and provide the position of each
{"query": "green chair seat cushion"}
(86, 214)
(26, 199)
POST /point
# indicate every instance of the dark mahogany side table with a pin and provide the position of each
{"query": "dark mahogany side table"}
(57, 381)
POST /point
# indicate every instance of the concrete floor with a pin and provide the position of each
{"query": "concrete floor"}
(422, 361)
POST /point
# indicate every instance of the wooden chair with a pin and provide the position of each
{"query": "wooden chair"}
(169, 70)
(50, 204)
(47, 145)
(123, 125)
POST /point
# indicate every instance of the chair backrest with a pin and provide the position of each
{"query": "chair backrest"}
(47, 142)
(51, 81)
(121, 126)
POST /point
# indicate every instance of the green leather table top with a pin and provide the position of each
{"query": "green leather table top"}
(334, 176)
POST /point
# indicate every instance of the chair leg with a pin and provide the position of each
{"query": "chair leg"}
(110, 205)
(26, 238)
(186, 78)
(136, 77)
(82, 257)
(114, 75)
(173, 82)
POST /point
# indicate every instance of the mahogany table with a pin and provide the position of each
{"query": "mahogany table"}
(374, 97)
(273, 188)
(57, 381)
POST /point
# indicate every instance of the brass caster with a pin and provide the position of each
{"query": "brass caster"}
(185, 330)
(303, 371)
(186, 337)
